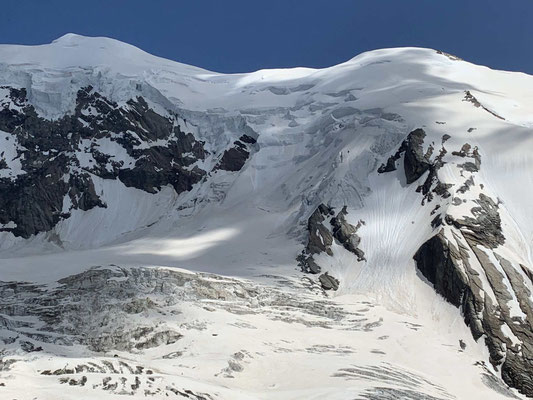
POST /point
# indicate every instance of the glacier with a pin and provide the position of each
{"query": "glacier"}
(166, 231)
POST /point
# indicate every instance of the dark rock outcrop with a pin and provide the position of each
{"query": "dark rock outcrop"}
(470, 166)
(82, 193)
(449, 267)
(484, 227)
(320, 237)
(450, 56)
(390, 165)
(346, 234)
(323, 228)
(417, 162)
(472, 99)
(434, 261)
(328, 282)
(32, 201)
(308, 264)
(235, 157)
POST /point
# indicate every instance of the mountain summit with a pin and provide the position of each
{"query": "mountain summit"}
(362, 229)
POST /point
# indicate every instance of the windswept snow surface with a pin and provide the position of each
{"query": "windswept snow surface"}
(321, 134)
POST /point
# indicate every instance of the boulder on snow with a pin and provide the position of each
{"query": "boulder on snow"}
(328, 282)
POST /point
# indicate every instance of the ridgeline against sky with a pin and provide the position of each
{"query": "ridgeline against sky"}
(243, 35)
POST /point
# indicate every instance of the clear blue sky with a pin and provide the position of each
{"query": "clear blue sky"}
(246, 35)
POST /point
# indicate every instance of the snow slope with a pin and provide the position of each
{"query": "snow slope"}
(321, 135)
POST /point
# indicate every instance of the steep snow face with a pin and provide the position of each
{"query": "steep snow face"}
(54, 72)
(131, 160)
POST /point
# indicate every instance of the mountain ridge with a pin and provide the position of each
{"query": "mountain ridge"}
(385, 176)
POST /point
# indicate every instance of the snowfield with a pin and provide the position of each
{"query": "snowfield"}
(198, 294)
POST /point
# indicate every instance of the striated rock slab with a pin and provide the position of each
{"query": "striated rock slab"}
(463, 260)
(486, 310)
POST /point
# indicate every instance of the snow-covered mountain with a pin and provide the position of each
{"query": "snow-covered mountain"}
(359, 231)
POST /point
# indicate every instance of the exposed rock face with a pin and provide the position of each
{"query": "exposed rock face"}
(346, 234)
(417, 162)
(450, 56)
(463, 261)
(125, 144)
(59, 157)
(320, 237)
(472, 99)
(328, 282)
(435, 262)
(449, 262)
(484, 227)
(322, 233)
(450, 269)
(309, 265)
(235, 157)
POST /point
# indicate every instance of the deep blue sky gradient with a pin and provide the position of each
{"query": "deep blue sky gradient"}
(246, 35)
